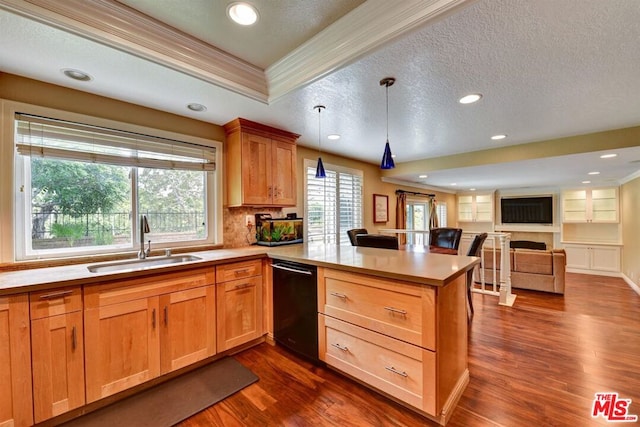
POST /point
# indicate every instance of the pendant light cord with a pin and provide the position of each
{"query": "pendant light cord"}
(319, 131)
(387, 85)
(319, 108)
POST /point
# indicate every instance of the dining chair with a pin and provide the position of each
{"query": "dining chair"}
(474, 250)
(445, 237)
(377, 241)
(354, 232)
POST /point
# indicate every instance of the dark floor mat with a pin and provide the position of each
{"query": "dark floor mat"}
(171, 402)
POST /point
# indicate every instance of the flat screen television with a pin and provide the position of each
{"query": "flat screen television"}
(527, 210)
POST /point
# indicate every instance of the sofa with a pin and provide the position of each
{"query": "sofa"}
(538, 270)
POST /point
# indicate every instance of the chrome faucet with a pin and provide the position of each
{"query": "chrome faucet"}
(144, 228)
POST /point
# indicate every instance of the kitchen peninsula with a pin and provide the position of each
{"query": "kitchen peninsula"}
(393, 320)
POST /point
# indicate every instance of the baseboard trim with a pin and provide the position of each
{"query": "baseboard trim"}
(594, 272)
(631, 284)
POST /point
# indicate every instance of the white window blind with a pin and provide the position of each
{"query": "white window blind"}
(45, 137)
(441, 212)
(333, 204)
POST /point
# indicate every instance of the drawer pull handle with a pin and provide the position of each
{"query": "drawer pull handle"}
(242, 286)
(74, 338)
(341, 296)
(243, 271)
(153, 318)
(55, 295)
(396, 310)
(340, 347)
(166, 316)
(395, 371)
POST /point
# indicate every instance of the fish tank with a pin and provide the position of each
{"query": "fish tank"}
(281, 231)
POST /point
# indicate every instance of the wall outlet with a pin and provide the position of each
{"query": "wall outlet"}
(248, 220)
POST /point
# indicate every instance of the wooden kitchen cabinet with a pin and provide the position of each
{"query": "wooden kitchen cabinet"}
(239, 303)
(57, 351)
(188, 327)
(407, 340)
(16, 404)
(138, 329)
(260, 165)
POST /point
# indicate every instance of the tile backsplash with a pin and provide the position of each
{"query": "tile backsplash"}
(236, 234)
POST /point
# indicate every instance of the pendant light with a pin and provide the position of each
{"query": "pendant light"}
(320, 167)
(387, 158)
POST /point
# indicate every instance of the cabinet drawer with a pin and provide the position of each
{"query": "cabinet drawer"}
(238, 270)
(400, 310)
(55, 301)
(402, 370)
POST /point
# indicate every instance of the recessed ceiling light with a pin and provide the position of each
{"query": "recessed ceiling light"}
(608, 156)
(497, 137)
(76, 74)
(196, 107)
(472, 189)
(333, 136)
(423, 176)
(242, 13)
(470, 99)
(586, 182)
(393, 156)
(454, 184)
(594, 173)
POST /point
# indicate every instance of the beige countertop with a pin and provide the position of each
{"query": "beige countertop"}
(412, 265)
(51, 277)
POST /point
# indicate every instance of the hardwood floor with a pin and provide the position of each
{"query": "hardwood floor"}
(538, 363)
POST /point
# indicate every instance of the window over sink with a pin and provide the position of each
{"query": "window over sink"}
(81, 187)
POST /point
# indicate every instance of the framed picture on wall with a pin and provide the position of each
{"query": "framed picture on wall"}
(380, 208)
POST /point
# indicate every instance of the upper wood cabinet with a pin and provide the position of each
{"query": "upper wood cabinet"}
(475, 207)
(16, 407)
(260, 165)
(590, 205)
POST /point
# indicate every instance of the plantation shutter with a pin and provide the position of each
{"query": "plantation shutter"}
(52, 138)
(441, 211)
(350, 207)
(334, 205)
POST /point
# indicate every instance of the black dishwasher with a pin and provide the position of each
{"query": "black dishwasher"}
(295, 308)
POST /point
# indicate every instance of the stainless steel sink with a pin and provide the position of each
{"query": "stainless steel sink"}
(141, 264)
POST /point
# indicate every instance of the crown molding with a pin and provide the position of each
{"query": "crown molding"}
(116, 25)
(359, 32)
(362, 30)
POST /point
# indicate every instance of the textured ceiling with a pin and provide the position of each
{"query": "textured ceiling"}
(547, 69)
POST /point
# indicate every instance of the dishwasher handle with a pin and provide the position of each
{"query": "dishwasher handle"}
(293, 270)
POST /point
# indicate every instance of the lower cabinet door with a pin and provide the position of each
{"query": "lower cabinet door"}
(187, 323)
(122, 347)
(239, 311)
(15, 362)
(402, 370)
(58, 364)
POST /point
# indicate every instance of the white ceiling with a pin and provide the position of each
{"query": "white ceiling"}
(546, 68)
